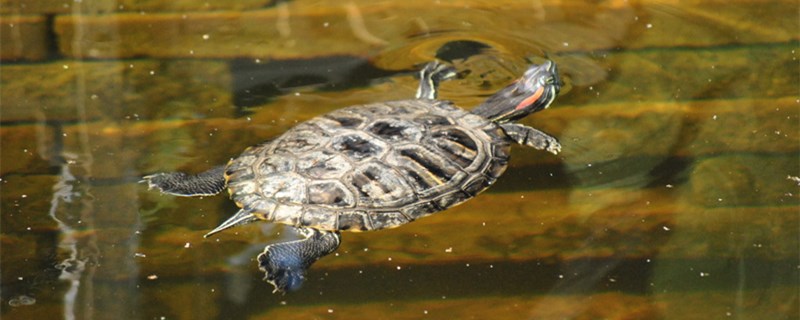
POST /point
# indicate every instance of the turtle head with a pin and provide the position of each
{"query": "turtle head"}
(537, 88)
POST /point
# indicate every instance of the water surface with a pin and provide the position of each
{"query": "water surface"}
(675, 196)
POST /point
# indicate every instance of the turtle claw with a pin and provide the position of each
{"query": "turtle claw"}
(283, 278)
(553, 146)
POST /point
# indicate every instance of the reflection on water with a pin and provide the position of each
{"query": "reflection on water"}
(678, 181)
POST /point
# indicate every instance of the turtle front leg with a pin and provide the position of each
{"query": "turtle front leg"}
(206, 183)
(429, 78)
(285, 264)
(528, 136)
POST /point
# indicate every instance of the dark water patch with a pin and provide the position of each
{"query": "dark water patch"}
(461, 50)
(256, 83)
(51, 39)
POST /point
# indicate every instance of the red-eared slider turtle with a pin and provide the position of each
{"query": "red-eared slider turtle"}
(373, 166)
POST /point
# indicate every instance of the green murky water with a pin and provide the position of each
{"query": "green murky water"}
(675, 197)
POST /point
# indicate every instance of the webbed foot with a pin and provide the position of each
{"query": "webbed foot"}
(285, 264)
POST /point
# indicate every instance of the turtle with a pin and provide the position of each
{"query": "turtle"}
(372, 166)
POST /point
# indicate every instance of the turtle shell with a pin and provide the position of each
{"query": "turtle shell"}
(370, 167)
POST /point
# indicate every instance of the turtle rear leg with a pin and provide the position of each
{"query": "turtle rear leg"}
(206, 183)
(531, 137)
(285, 264)
(429, 78)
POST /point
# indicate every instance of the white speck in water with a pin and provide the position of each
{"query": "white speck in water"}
(719, 199)
(130, 66)
(258, 60)
(424, 311)
(330, 310)
(152, 72)
(649, 26)
(566, 44)
(704, 274)
(714, 117)
(612, 280)
(139, 255)
(448, 250)
(398, 268)
(366, 249)
(191, 51)
(561, 276)
(665, 228)
(297, 94)
(187, 245)
(669, 186)
(206, 36)
(326, 24)
(589, 165)
(20, 278)
(152, 277)
(390, 259)
(65, 67)
(24, 196)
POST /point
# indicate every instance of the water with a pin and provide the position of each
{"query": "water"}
(675, 197)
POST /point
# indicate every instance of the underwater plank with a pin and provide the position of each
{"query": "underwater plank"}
(149, 89)
(26, 149)
(682, 74)
(110, 6)
(295, 30)
(776, 303)
(685, 129)
(115, 90)
(24, 38)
